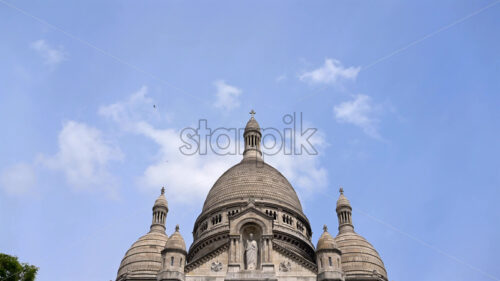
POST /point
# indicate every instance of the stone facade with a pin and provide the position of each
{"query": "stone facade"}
(251, 228)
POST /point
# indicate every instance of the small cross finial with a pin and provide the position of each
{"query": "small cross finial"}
(252, 112)
(341, 190)
(325, 228)
(162, 190)
(177, 227)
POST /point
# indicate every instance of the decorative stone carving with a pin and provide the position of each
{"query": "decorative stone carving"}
(251, 202)
(285, 266)
(216, 266)
(251, 253)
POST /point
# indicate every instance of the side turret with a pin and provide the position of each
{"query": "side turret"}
(173, 258)
(328, 258)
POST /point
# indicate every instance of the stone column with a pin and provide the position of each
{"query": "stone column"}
(234, 253)
(268, 247)
(234, 248)
(231, 249)
(267, 253)
(264, 250)
(270, 250)
(238, 250)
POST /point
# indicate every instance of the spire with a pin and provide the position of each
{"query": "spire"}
(344, 213)
(252, 136)
(176, 228)
(325, 228)
(160, 210)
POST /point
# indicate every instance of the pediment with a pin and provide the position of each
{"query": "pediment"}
(251, 215)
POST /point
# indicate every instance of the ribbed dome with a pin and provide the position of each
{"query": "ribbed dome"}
(161, 201)
(343, 201)
(144, 256)
(252, 178)
(176, 241)
(252, 125)
(359, 257)
(326, 241)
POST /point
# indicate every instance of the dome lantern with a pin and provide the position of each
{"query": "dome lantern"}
(252, 136)
(344, 213)
(160, 210)
(143, 260)
(359, 257)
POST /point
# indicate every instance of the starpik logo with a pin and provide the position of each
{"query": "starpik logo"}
(292, 139)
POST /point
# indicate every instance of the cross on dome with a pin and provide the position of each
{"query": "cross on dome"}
(341, 190)
(252, 112)
(162, 190)
(325, 228)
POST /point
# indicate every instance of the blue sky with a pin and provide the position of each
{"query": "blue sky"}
(405, 97)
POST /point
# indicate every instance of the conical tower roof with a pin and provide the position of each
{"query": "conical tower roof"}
(326, 241)
(252, 124)
(176, 242)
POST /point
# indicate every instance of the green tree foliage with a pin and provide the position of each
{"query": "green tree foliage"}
(12, 270)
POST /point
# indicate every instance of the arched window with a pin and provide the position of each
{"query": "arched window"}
(330, 261)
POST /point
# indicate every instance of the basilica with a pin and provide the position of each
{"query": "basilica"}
(252, 227)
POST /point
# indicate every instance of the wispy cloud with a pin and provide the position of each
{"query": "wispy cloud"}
(303, 169)
(332, 72)
(361, 112)
(52, 56)
(189, 177)
(227, 96)
(18, 179)
(83, 157)
(281, 78)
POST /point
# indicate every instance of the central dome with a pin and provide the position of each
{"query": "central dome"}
(252, 178)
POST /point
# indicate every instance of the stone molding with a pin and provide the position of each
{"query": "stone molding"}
(196, 263)
(295, 257)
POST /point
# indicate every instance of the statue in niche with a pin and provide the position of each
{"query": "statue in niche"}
(251, 253)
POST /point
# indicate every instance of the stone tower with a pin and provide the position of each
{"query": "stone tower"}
(143, 260)
(173, 258)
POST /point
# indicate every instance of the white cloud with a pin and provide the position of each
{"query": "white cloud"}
(186, 177)
(18, 179)
(304, 170)
(189, 177)
(361, 111)
(137, 107)
(227, 95)
(84, 157)
(331, 72)
(52, 56)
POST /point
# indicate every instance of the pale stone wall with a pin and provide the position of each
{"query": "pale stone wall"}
(290, 271)
(204, 272)
(296, 272)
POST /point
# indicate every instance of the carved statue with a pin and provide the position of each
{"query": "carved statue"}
(251, 253)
